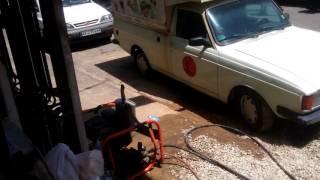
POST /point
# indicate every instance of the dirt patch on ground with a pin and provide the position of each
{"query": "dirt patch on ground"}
(174, 128)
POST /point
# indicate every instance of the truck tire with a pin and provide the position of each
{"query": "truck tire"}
(142, 63)
(254, 111)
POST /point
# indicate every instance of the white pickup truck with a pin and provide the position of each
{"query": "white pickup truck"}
(85, 20)
(242, 52)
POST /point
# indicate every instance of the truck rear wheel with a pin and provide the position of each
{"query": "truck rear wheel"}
(254, 111)
(142, 63)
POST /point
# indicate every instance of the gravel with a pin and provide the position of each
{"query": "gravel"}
(303, 163)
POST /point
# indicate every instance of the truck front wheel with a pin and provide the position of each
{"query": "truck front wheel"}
(142, 63)
(255, 111)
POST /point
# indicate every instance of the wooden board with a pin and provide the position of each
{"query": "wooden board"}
(145, 12)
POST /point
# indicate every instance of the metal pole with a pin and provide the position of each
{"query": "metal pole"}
(58, 46)
(8, 100)
(6, 164)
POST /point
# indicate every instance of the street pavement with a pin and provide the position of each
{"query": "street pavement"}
(302, 17)
(101, 70)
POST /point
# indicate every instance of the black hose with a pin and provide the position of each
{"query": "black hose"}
(211, 161)
(186, 139)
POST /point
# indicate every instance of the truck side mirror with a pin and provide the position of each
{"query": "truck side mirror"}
(199, 41)
(287, 15)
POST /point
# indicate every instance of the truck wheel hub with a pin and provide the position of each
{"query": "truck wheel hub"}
(142, 64)
(248, 109)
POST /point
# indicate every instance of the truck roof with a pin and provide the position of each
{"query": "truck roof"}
(174, 2)
(199, 7)
(156, 16)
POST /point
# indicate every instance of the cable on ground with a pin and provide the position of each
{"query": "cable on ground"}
(211, 161)
(195, 152)
(186, 165)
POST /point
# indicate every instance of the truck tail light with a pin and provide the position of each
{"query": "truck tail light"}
(307, 102)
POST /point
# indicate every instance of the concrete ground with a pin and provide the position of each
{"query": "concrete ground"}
(101, 67)
(101, 70)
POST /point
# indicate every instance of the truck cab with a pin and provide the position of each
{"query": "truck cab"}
(243, 53)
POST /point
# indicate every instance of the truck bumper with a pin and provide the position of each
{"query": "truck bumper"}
(304, 119)
(91, 32)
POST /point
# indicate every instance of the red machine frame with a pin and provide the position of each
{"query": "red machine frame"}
(154, 134)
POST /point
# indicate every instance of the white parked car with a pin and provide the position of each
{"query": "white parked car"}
(243, 52)
(85, 19)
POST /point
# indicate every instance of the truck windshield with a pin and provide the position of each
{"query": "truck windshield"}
(240, 19)
(74, 2)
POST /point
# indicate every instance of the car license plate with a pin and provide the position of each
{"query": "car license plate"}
(91, 32)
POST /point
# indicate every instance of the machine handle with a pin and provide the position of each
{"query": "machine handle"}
(123, 96)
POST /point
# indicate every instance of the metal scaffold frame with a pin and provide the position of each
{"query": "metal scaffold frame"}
(48, 107)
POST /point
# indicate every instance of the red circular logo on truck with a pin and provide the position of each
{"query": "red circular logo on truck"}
(189, 66)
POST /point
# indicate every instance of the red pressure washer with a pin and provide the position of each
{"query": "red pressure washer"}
(112, 125)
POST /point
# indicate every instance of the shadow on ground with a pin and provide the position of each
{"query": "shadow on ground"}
(204, 106)
(310, 6)
(88, 44)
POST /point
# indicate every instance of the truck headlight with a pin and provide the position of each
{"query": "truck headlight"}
(106, 18)
(307, 102)
(69, 26)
